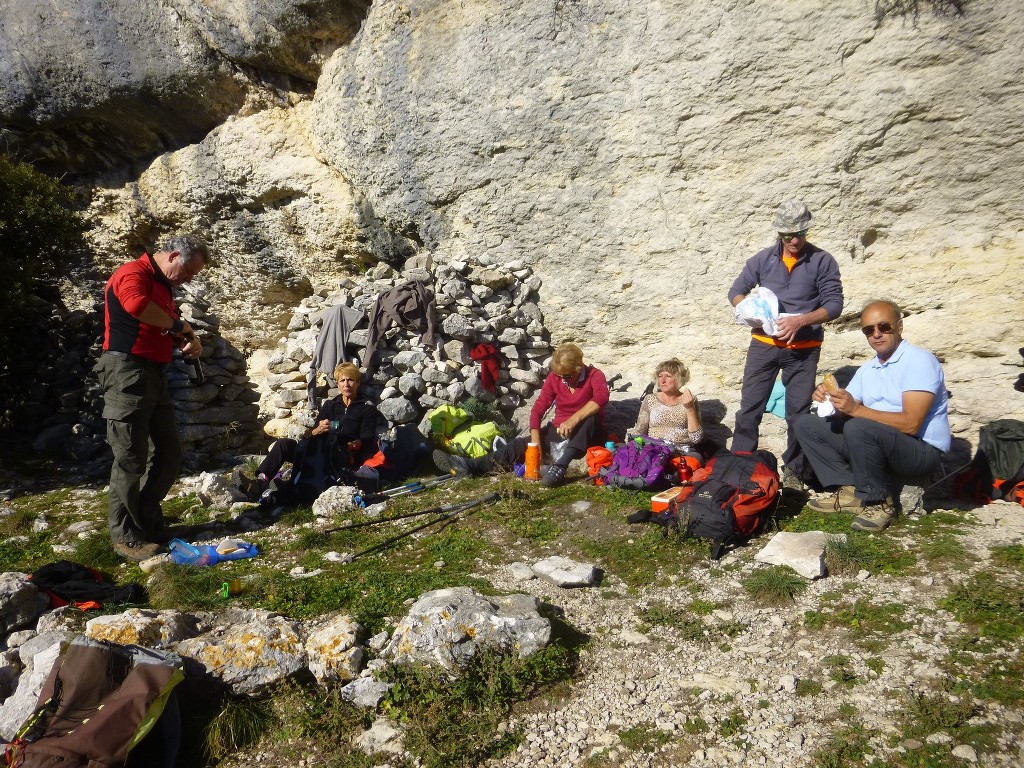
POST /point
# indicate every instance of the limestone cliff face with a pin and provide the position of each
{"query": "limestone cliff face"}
(632, 153)
(88, 85)
(635, 154)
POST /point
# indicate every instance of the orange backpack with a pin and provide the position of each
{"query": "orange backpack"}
(598, 458)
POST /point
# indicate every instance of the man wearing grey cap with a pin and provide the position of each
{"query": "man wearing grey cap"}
(806, 281)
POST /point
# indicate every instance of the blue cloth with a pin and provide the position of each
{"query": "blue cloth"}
(183, 553)
(777, 400)
(881, 386)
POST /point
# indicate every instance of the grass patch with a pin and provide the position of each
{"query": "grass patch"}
(923, 714)
(807, 687)
(774, 585)
(187, 588)
(989, 604)
(650, 555)
(841, 671)
(846, 747)
(865, 552)
(869, 621)
(690, 628)
(701, 607)
(943, 548)
(26, 552)
(240, 723)
(1011, 556)
(644, 737)
(97, 551)
(995, 679)
(733, 724)
(696, 725)
(454, 723)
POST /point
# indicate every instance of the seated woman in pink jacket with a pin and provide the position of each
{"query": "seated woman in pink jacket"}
(579, 393)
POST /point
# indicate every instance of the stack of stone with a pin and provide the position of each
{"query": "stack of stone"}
(220, 415)
(214, 419)
(475, 302)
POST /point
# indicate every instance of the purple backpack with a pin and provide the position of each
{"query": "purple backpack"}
(639, 465)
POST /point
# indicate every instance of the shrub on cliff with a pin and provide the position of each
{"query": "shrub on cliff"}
(41, 235)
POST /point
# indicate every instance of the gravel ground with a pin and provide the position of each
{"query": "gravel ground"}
(733, 696)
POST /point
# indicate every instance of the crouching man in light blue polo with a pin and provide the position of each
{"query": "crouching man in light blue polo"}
(891, 422)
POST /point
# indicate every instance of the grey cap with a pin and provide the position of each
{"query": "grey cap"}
(792, 216)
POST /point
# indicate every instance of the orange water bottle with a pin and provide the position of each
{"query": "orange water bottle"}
(532, 470)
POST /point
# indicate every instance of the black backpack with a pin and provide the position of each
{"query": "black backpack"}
(729, 500)
(998, 464)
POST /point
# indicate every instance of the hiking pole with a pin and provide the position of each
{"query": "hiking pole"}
(454, 510)
(392, 518)
(403, 490)
(421, 513)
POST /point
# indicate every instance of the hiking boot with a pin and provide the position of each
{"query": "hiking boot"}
(640, 516)
(875, 517)
(450, 463)
(137, 551)
(554, 476)
(791, 480)
(250, 487)
(842, 500)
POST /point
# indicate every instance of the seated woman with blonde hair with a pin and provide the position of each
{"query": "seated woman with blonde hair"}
(347, 421)
(671, 413)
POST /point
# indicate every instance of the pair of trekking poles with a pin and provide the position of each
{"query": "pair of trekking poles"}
(408, 489)
(444, 514)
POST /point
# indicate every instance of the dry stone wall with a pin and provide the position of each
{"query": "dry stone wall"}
(475, 302)
(215, 418)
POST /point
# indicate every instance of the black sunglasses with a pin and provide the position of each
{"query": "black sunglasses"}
(790, 235)
(869, 330)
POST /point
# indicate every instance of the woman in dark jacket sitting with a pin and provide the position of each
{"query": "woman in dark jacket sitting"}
(350, 422)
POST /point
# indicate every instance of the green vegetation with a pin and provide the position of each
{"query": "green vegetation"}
(841, 671)
(923, 714)
(239, 723)
(733, 725)
(774, 585)
(807, 687)
(456, 721)
(644, 737)
(846, 748)
(41, 236)
(869, 622)
(990, 605)
(860, 551)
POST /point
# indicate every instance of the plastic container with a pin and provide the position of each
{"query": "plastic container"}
(532, 469)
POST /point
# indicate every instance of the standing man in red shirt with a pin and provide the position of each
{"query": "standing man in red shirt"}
(141, 329)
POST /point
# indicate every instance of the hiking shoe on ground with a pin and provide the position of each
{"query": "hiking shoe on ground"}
(554, 476)
(640, 516)
(448, 462)
(791, 480)
(137, 551)
(250, 487)
(842, 500)
(874, 517)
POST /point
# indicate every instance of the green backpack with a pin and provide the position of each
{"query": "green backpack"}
(454, 430)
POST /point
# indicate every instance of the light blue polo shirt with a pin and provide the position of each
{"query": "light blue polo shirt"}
(881, 386)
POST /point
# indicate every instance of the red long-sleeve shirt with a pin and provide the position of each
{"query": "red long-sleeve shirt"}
(594, 387)
(129, 290)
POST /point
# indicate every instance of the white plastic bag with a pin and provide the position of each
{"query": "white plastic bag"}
(760, 309)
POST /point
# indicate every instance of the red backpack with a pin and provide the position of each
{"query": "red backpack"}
(730, 499)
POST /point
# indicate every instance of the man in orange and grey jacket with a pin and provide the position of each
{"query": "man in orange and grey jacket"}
(807, 283)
